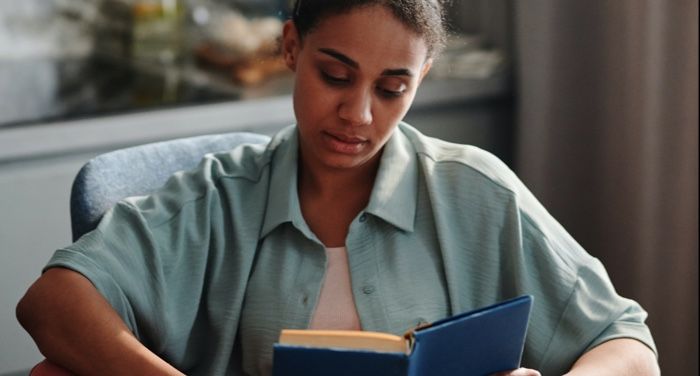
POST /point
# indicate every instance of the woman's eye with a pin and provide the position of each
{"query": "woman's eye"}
(391, 93)
(391, 88)
(335, 80)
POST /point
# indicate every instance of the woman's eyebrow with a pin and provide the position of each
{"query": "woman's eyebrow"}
(397, 72)
(353, 64)
(339, 56)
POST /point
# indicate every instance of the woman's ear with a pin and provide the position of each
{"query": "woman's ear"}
(426, 68)
(290, 45)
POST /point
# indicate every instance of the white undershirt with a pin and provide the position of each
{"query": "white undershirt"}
(336, 306)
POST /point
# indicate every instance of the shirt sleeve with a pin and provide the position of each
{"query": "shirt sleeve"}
(577, 307)
(147, 272)
(174, 265)
(500, 242)
(593, 314)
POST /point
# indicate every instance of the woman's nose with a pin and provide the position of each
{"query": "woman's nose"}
(356, 108)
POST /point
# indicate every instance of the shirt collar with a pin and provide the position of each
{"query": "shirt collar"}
(282, 197)
(396, 186)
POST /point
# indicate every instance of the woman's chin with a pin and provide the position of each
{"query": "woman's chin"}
(343, 163)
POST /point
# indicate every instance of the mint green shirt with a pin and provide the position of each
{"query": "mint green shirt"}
(209, 269)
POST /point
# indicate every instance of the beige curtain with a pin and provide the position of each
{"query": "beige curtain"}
(608, 140)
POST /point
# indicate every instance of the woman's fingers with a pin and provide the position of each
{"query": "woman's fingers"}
(519, 372)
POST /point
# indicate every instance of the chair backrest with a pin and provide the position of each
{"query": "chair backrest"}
(139, 170)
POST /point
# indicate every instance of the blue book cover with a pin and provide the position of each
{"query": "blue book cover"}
(479, 342)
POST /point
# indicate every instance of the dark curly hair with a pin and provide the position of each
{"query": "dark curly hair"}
(425, 17)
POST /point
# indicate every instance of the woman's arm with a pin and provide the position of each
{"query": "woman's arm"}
(76, 328)
(618, 357)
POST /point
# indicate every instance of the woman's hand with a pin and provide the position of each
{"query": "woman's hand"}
(518, 372)
(47, 368)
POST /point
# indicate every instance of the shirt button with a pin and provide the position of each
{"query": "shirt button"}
(363, 218)
(305, 299)
(367, 290)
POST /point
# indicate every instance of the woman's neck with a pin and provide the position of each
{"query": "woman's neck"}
(331, 183)
(331, 198)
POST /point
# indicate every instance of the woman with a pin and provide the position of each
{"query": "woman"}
(348, 220)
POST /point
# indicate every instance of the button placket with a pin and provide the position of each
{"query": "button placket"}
(308, 286)
(362, 247)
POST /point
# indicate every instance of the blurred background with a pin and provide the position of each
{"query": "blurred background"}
(593, 103)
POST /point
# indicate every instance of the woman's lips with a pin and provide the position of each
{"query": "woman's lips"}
(345, 144)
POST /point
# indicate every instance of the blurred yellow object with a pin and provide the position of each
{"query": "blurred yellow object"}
(144, 10)
(157, 30)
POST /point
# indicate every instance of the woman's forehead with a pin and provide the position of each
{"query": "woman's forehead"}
(370, 33)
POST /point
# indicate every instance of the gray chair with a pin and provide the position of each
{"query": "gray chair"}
(139, 170)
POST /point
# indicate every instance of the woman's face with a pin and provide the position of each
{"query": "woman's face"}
(356, 76)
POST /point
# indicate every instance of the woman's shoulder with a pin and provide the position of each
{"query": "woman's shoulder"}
(456, 158)
(248, 161)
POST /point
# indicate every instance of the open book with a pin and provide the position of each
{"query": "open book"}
(479, 342)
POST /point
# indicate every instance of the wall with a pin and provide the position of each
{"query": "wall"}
(33, 211)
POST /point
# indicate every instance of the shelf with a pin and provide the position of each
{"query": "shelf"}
(260, 111)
